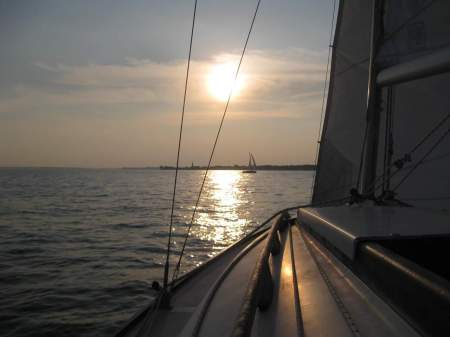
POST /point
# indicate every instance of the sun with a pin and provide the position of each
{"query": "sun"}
(221, 81)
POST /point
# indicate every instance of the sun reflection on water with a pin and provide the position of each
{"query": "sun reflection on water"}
(218, 219)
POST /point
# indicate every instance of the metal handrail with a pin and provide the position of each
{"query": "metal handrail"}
(260, 288)
(425, 66)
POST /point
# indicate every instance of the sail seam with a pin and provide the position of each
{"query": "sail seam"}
(408, 20)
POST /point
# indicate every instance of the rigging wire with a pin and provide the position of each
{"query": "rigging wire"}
(439, 157)
(373, 96)
(150, 316)
(399, 163)
(352, 65)
(177, 268)
(435, 145)
(166, 267)
(429, 134)
(366, 134)
(330, 48)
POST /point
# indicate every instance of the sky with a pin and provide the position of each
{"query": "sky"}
(99, 83)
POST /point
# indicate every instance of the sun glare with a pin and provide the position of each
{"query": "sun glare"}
(221, 81)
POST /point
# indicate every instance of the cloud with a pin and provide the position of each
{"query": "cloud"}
(128, 114)
(277, 85)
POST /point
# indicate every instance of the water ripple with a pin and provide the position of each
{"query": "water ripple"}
(80, 248)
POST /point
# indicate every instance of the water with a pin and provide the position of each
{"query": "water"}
(80, 248)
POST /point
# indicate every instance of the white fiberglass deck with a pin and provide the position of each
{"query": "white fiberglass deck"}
(314, 295)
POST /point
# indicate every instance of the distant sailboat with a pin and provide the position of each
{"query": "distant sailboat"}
(251, 164)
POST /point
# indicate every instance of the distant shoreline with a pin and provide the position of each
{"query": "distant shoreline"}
(307, 167)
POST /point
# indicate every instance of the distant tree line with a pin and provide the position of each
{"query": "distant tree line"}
(306, 167)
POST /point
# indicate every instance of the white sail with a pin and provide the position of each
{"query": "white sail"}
(411, 30)
(253, 163)
(344, 124)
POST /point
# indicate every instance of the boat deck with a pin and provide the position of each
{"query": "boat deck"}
(314, 294)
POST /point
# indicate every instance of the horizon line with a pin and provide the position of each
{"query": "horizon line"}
(137, 167)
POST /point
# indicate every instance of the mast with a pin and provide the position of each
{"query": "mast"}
(370, 146)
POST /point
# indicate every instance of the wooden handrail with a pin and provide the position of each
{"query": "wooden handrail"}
(260, 288)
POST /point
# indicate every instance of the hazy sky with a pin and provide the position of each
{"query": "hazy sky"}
(99, 83)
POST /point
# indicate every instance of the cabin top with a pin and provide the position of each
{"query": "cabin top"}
(346, 226)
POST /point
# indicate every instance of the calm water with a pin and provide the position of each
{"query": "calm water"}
(80, 248)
